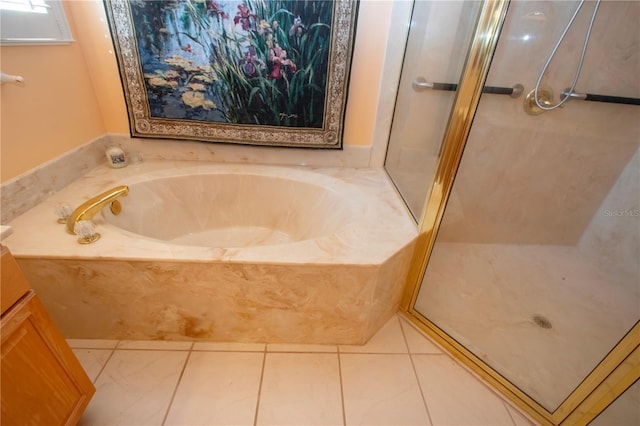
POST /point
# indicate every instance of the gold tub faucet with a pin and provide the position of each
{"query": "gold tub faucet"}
(88, 209)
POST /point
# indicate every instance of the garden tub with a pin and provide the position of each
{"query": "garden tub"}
(223, 252)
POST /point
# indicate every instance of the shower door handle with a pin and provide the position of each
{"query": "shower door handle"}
(420, 84)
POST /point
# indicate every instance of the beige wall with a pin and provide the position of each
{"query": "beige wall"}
(53, 111)
(72, 94)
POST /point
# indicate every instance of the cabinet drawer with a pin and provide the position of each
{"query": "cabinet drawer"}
(42, 382)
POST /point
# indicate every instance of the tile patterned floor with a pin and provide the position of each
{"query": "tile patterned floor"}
(398, 378)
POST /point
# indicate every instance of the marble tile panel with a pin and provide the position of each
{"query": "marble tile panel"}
(454, 396)
(611, 239)
(381, 390)
(217, 389)
(163, 149)
(29, 189)
(389, 288)
(135, 388)
(300, 389)
(197, 301)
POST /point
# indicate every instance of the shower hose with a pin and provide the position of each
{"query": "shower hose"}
(568, 92)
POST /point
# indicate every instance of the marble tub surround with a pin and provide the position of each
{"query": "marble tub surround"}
(166, 149)
(377, 227)
(217, 301)
(337, 285)
(29, 189)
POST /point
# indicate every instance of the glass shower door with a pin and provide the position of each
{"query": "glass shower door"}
(535, 266)
(439, 38)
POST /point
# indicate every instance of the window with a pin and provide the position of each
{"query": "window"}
(33, 22)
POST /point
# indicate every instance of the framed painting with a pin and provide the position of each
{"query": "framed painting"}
(257, 72)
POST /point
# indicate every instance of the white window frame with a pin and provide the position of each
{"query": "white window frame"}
(33, 22)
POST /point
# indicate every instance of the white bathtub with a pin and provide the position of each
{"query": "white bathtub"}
(224, 253)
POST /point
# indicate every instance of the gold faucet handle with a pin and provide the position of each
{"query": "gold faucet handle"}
(90, 208)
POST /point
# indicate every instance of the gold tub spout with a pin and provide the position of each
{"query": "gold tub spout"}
(88, 209)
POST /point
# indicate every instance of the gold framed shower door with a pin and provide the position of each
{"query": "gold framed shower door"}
(619, 369)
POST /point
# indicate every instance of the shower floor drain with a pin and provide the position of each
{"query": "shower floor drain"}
(542, 321)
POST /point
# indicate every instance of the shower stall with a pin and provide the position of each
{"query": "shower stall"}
(528, 260)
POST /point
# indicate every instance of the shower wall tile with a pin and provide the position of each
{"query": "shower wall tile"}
(611, 239)
(540, 179)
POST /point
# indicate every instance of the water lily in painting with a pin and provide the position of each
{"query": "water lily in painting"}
(181, 62)
(197, 100)
(160, 80)
(197, 87)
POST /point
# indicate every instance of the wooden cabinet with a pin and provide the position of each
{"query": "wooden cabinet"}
(42, 381)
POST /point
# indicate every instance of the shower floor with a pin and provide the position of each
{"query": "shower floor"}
(485, 296)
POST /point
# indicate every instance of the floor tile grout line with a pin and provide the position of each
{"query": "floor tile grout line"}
(344, 411)
(415, 373)
(468, 370)
(264, 362)
(175, 389)
(113, 351)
